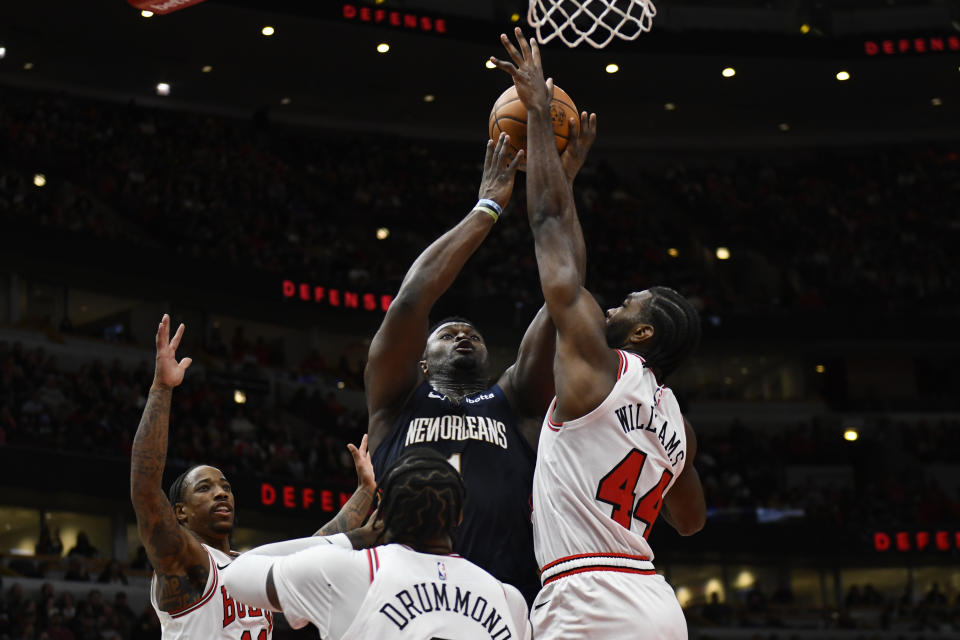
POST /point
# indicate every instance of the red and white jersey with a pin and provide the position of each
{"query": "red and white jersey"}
(392, 591)
(215, 616)
(600, 479)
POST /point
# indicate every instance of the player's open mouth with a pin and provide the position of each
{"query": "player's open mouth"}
(464, 349)
(223, 510)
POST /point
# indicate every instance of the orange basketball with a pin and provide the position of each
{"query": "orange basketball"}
(510, 116)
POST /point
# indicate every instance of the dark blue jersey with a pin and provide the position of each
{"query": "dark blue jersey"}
(481, 438)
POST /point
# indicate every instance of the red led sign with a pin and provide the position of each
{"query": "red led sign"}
(336, 297)
(295, 498)
(901, 46)
(391, 18)
(916, 541)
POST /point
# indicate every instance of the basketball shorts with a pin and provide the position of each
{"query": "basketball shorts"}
(608, 605)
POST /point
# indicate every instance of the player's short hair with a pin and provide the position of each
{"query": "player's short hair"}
(175, 494)
(458, 320)
(422, 496)
(676, 330)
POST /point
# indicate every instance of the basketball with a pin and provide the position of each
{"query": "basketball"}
(510, 116)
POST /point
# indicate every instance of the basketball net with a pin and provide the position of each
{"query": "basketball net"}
(597, 22)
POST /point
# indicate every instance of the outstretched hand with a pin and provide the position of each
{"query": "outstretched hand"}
(499, 171)
(169, 373)
(361, 460)
(582, 135)
(526, 71)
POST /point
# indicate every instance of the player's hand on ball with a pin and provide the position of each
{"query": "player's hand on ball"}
(582, 135)
(169, 373)
(528, 73)
(499, 171)
(361, 460)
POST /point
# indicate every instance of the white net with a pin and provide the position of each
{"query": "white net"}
(595, 21)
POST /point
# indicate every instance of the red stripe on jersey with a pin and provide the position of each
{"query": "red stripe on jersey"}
(564, 574)
(554, 426)
(376, 558)
(370, 562)
(204, 598)
(593, 555)
(622, 369)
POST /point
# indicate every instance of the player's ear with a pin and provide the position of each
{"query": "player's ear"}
(179, 512)
(424, 368)
(640, 334)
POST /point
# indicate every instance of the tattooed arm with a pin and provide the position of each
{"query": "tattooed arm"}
(356, 509)
(181, 563)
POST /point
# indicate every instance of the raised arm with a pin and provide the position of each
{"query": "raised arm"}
(392, 369)
(181, 563)
(586, 366)
(357, 508)
(528, 383)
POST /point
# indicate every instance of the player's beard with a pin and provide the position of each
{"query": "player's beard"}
(617, 333)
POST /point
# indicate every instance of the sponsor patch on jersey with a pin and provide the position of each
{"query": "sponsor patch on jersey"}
(479, 398)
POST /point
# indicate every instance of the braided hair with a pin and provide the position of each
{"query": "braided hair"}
(676, 330)
(422, 497)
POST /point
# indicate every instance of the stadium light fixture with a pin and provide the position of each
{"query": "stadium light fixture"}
(728, 72)
(383, 47)
(851, 435)
(268, 31)
(843, 76)
(612, 68)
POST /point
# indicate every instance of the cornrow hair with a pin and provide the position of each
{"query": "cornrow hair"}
(422, 497)
(676, 330)
(175, 494)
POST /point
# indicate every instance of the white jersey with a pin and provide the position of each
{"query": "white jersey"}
(600, 479)
(392, 591)
(215, 616)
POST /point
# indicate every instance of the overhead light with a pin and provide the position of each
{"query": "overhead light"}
(383, 47)
(843, 76)
(515, 17)
(489, 65)
(206, 68)
(729, 72)
(819, 368)
(936, 102)
(163, 89)
(723, 253)
(3, 53)
(612, 68)
(39, 179)
(268, 31)
(383, 233)
(239, 396)
(669, 107)
(284, 100)
(672, 252)
(784, 126)
(341, 384)
(804, 28)
(146, 13)
(429, 97)
(28, 65)
(851, 435)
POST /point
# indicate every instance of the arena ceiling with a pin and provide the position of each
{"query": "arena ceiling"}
(321, 68)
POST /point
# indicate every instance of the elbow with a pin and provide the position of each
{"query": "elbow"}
(692, 526)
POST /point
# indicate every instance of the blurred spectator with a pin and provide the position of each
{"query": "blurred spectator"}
(49, 542)
(112, 574)
(83, 547)
(76, 570)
